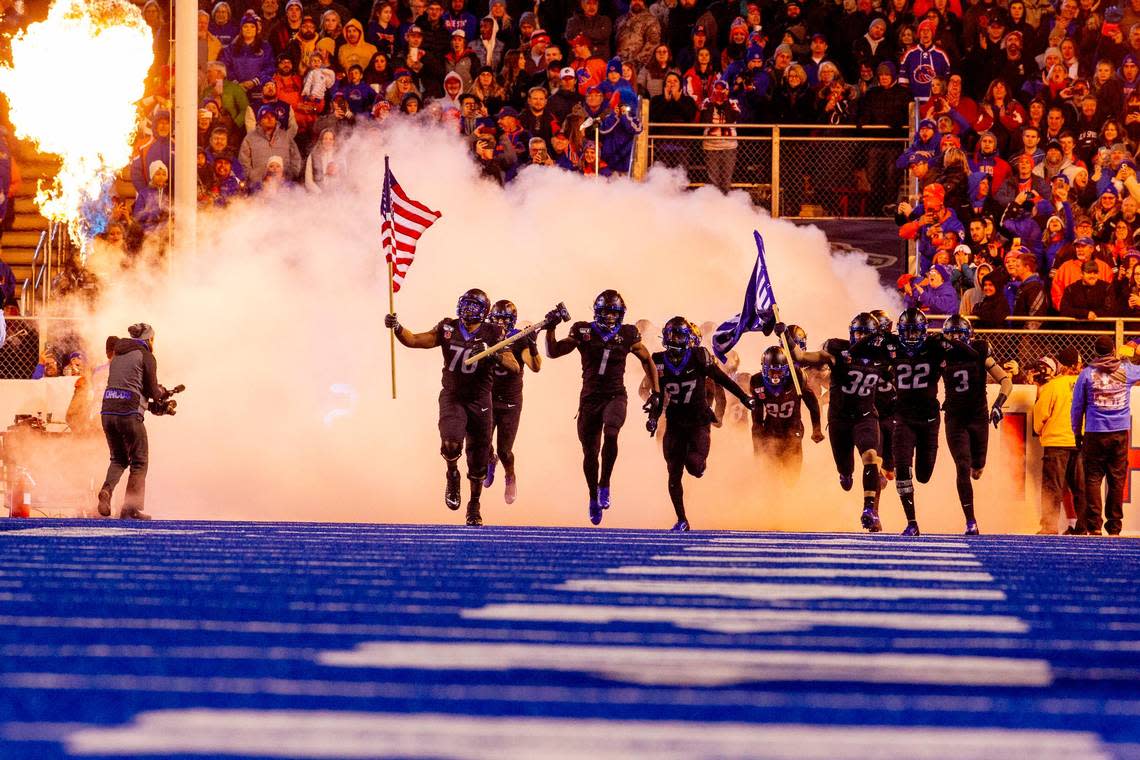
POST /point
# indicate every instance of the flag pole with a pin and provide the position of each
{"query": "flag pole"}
(392, 300)
(787, 352)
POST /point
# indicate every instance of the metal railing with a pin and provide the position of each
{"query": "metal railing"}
(1028, 339)
(801, 170)
(31, 338)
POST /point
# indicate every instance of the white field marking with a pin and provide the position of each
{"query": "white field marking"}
(79, 532)
(680, 666)
(823, 559)
(727, 620)
(320, 734)
(948, 576)
(824, 550)
(775, 591)
(876, 542)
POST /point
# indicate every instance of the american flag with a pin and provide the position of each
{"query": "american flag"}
(404, 221)
(758, 312)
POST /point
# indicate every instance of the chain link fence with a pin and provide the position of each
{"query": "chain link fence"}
(30, 341)
(791, 172)
(1026, 347)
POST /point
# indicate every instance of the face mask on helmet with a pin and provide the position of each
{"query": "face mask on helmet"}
(797, 336)
(912, 330)
(775, 368)
(676, 338)
(885, 324)
(958, 328)
(504, 318)
(862, 328)
(472, 307)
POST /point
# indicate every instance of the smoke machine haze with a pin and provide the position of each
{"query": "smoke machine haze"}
(275, 325)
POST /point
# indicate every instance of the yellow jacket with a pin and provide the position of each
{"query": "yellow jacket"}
(1051, 419)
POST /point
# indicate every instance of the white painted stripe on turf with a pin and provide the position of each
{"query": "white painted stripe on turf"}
(821, 559)
(775, 591)
(326, 734)
(681, 666)
(93, 532)
(888, 573)
(729, 620)
(877, 542)
(826, 551)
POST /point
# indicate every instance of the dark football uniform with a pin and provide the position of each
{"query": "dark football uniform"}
(856, 377)
(507, 399)
(686, 395)
(967, 412)
(465, 401)
(917, 419)
(777, 419)
(602, 403)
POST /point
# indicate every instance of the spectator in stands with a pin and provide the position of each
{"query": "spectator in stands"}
(1102, 417)
(282, 110)
(588, 21)
(152, 204)
(284, 28)
(383, 28)
(638, 34)
(249, 59)
(720, 112)
(266, 141)
(915, 222)
(1088, 298)
(434, 32)
(354, 50)
(222, 24)
(1061, 467)
(933, 293)
(230, 96)
(1071, 270)
(1030, 299)
(1022, 185)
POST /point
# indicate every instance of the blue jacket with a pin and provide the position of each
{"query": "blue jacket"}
(620, 130)
(1101, 396)
(249, 63)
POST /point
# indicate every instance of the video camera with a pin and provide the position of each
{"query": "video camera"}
(165, 403)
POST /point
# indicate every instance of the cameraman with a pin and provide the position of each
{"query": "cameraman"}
(132, 380)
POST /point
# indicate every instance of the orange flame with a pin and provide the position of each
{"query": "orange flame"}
(73, 89)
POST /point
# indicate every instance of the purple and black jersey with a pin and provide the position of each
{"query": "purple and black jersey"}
(856, 378)
(603, 355)
(457, 344)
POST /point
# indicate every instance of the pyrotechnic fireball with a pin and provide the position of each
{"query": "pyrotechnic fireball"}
(98, 52)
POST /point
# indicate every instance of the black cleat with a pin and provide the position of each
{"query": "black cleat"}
(867, 519)
(604, 497)
(846, 481)
(104, 502)
(474, 519)
(595, 512)
(972, 528)
(681, 526)
(133, 513)
(911, 529)
(451, 495)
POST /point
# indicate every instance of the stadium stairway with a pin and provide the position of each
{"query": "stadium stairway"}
(19, 242)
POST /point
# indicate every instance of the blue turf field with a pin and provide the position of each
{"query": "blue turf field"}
(333, 640)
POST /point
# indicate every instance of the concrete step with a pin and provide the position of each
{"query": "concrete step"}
(20, 239)
(17, 255)
(27, 221)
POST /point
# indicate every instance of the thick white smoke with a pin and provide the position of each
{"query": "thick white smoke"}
(275, 326)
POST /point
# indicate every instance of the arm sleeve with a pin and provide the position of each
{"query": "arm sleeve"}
(811, 402)
(1077, 411)
(151, 388)
(713, 370)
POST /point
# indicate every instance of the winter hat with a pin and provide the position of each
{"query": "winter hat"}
(463, 34)
(876, 22)
(755, 53)
(614, 65)
(1104, 346)
(929, 124)
(1068, 356)
(249, 17)
(1113, 15)
(530, 18)
(1129, 58)
(141, 330)
(736, 23)
(928, 24)
(1090, 266)
(538, 34)
(887, 66)
(1109, 189)
(936, 190)
(154, 167)
(276, 160)
(261, 112)
(782, 48)
(943, 271)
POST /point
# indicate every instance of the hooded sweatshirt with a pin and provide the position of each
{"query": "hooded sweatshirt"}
(131, 379)
(359, 54)
(1101, 396)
